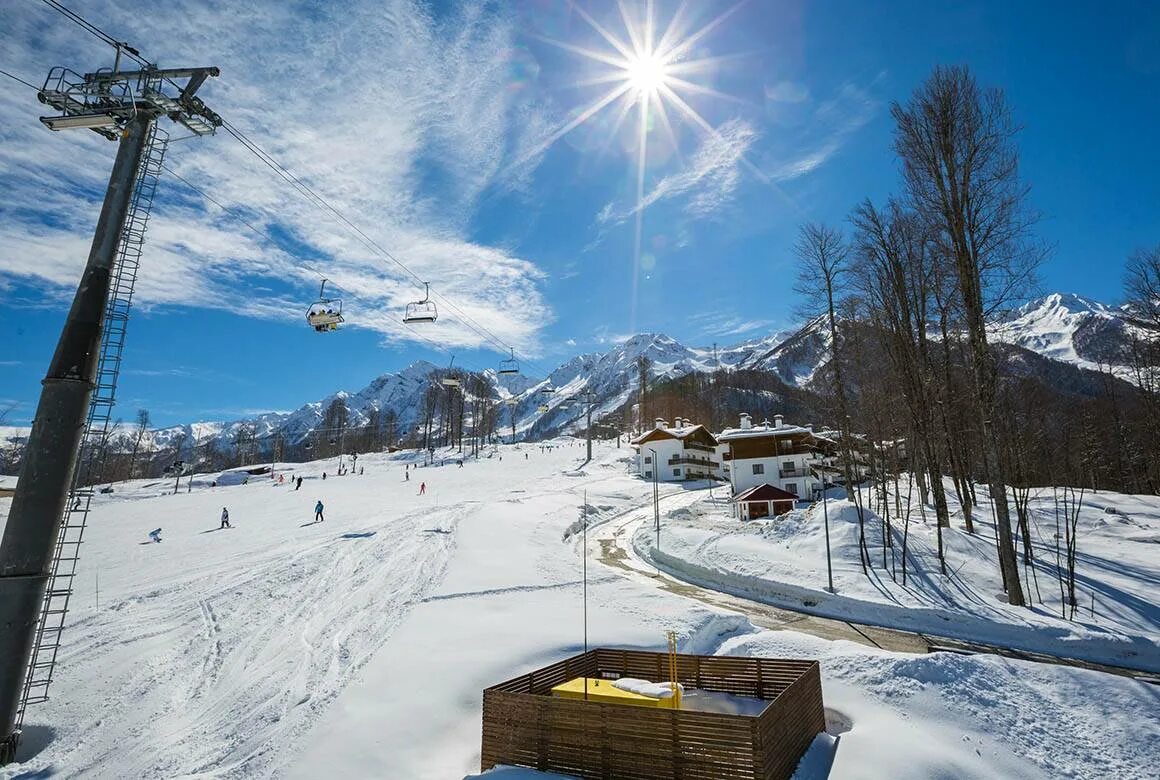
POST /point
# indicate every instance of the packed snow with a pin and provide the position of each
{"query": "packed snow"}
(782, 561)
(653, 690)
(359, 646)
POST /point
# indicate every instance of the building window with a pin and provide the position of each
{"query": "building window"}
(788, 465)
(676, 472)
(648, 458)
(791, 487)
(648, 475)
(758, 468)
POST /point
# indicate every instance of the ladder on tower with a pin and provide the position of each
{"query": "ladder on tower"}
(50, 626)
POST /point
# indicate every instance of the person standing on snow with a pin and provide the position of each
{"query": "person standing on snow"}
(318, 518)
(422, 488)
(298, 483)
(406, 476)
(225, 519)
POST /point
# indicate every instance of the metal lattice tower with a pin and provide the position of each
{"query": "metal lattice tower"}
(89, 465)
(42, 539)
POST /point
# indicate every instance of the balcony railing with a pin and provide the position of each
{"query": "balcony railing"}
(787, 473)
(677, 460)
(692, 445)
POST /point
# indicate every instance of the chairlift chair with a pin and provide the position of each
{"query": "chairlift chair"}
(509, 365)
(543, 408)
(450, 380)
(325, 314)
(421, 311)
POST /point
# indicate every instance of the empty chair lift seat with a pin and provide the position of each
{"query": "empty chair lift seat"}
(626, 690)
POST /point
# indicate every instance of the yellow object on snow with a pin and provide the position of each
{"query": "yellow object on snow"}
(604, 691)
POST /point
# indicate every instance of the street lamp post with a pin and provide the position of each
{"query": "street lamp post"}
(826, 521)
(656, 497)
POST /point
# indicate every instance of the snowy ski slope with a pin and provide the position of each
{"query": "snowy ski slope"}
(359, 647)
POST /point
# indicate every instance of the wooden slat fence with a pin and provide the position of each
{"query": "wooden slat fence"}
(523, 725)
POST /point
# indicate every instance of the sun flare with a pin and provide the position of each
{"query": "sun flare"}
(647, 73)
(650, 72)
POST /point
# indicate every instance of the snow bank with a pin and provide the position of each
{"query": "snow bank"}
(782, 562)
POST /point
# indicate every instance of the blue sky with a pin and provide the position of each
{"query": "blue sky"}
(436, 127)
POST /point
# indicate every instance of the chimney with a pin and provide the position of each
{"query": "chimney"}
(746, 422)
(660, 422)
(777, 420)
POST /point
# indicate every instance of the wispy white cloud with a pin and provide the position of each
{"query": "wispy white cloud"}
(402, 120)
(828, 128)
(787, 92)
(725, 324)
(706, 183)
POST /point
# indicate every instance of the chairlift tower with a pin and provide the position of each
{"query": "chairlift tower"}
(42, 539)
(589, 400)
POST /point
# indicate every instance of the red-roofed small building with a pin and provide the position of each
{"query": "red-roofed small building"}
(764, 501)
(677, 452)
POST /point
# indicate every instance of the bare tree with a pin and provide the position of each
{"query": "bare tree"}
(960, 164)
(245, 437)
(822, 267)
(1142, 284)
(643, 366)
(895, 272)
(390, 425)
(140, 428)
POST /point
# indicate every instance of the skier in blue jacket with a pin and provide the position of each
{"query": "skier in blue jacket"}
(318, 518)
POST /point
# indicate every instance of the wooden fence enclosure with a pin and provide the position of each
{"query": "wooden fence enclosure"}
(524, 725)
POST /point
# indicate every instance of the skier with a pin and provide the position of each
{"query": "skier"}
(361, 469)
(324, 476)
(225, 519)
(298, 483)
(318, 518)
(155, 535)
(406, 476)
(422, 488)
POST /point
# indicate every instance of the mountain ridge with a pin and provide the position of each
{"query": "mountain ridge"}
(1063, 327)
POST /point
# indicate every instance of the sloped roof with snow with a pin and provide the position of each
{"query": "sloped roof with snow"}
(682, 432)
(762, 430)
(764, 492)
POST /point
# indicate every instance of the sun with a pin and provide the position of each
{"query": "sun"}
(647, 73)
(650, 72)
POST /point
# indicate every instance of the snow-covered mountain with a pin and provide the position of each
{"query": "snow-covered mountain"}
(1061, 327)
(1071, 329)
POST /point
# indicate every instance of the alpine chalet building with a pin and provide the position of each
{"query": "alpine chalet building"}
(774, 454)
(678, 452)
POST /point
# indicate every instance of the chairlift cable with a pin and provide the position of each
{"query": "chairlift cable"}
(310, 194)
(17, 78)
(283, 173)
(265, 235)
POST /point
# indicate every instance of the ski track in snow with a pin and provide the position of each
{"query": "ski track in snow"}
(227, 687)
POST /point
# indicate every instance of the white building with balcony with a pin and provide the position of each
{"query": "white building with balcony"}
(774, 454)
(677, 452)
